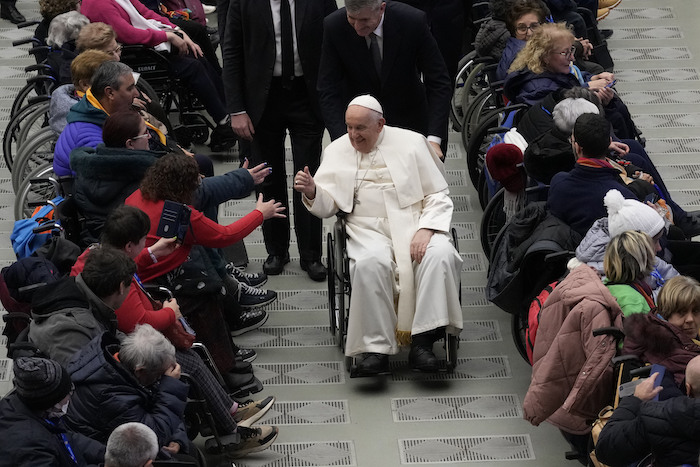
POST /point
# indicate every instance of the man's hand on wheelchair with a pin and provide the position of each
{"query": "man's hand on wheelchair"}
(259, 172)
(304, 183)
(420, 243)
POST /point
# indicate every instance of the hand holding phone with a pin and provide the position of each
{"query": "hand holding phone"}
(611, 84)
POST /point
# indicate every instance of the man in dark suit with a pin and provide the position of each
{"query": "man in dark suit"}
(271, 53)
(351, 64)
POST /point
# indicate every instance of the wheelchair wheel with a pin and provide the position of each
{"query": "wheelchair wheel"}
(33, 154)
(483, 104)
(25, 123)
(456, 104)
(518, 327)
(451, 347)
(482, 190)
(43, 190)
(492, 222)
(479, 144)
(476, 81)
(40, 85)
(330, 278)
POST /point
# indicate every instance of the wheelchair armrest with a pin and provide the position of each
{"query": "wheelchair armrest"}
(25, 293)
(37, 99)
(38, 66)
(617, 333)
(641, 372)
(27, 40)
(158, 290)
(627, 358)
(26, 24)
(47, 227)
(560, 256)
(16, 315)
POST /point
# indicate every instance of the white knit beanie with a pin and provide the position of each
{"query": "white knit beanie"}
(630, 214)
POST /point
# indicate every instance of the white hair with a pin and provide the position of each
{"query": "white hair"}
(568, 110)
(65, 27)
(131, 445)
(148, 349)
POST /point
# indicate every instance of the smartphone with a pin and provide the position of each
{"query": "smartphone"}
(187, 326)
(174, 221)
(611, 84)
(651, 198)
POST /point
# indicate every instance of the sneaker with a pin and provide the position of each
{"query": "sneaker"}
(249, 320)
(246, 355)
(608, 3)
(250, 411)
(254, 439)
(249, 297)
(253, 279)
(602, 13)
(208, 9)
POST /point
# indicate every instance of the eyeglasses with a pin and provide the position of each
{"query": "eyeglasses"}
(524, 28)
(116, 50)
(568, 53)
(145, 135)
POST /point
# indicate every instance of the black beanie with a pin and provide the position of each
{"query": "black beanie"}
(40, 383)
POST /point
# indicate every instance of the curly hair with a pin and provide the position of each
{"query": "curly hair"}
(49, 9)
(542, 43)
(173, 177)
(521, 8)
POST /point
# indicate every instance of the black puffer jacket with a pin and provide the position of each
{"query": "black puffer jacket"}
(104, 178)
(670, 430)
(29, 440)
(107, 395)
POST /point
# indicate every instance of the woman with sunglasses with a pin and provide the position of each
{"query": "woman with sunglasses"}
(544, 66)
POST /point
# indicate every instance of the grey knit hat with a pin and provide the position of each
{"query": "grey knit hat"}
(40, 383)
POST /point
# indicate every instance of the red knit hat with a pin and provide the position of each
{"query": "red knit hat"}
(505, 164)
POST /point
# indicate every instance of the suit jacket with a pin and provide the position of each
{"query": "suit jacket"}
(409, 49)
(249, 51)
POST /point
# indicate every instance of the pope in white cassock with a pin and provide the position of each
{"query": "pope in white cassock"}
(404, 269)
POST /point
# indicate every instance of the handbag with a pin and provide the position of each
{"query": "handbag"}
(176, 334)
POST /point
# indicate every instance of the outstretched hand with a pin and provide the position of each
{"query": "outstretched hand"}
(270, 209)
(304, 183)
(259, 172)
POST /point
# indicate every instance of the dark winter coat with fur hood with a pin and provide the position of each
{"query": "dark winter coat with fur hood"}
(655, 340)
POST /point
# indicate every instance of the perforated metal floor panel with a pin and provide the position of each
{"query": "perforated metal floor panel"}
(287, 337)
(412, 409)
(297, 373)
(466, 449)
(308, 413)
(320, 453)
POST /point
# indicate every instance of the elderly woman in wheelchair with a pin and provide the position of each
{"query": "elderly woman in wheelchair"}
(403, 268)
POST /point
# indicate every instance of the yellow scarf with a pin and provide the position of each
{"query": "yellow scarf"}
(95, 103)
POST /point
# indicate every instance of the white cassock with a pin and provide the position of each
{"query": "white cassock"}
(389, 194)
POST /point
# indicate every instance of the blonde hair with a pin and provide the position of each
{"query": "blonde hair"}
(678, 295)
(95, 36)
(541, 44)
(85, 65)
(628, 257)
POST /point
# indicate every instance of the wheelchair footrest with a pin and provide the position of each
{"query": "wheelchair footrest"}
(253, 387)
(227, 441)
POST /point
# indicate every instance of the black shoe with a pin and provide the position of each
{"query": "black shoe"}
(274, 264)
(689, 224)
(236, 381)
(372, 364)
(606, 33)
(245, 356)
(315, 269)
(249, 320)
(222, 138)
(10, 11)
(423, 359)
(253, 387)
(240, 365)
(250, 297)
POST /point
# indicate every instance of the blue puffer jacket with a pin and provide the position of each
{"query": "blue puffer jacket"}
(84, 128)
(513, 46)
(530, 88)
(107, 395)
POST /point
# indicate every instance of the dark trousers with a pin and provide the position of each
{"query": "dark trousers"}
(200, 77)
(288, 109)
(199, 36)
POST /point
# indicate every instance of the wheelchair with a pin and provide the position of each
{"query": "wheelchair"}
(340, 292)
(23, 127)
(154, 67)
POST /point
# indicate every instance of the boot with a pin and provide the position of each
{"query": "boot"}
(421, 356)
(9, 11)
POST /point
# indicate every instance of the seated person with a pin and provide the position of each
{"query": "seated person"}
(101, 36)
(136, 24)
(576, 197)
(131, 444)
(135, 380)
(626, 214)
(70, 312)
(63, 31)
(391, 184)
(666, 429)
(175, 178)
(82, 68)
(31, 419)
(126, 230)
(668, 336)
(629, 259)
(49, 9)
(544, 65)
